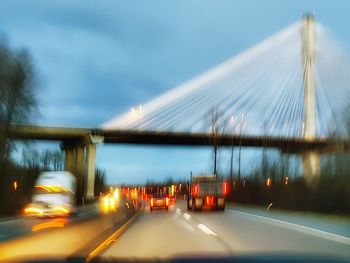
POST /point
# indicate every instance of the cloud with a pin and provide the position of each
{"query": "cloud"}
(96, 60)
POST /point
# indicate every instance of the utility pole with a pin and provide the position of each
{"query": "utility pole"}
(231, 168)
(240, 148)
(215, 160)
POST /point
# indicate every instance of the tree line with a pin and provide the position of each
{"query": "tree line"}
(18, 105)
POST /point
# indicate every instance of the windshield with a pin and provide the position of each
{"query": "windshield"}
(174, 130)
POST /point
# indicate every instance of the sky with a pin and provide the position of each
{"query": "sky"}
(97, 59)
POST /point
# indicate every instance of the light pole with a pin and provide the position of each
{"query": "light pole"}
(215, 150)
(240, 147)
(231, 168)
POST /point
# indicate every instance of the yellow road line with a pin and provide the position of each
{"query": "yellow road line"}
(110, 239)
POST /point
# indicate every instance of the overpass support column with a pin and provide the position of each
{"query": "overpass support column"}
(80, 170)
(90, 170)
(311, 159)
(81, 161)
(69, 160)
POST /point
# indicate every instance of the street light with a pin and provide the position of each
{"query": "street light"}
(240, 147)
(15, 185)
(232, 121)
(268, 182)
(286, 180)
(137, 114)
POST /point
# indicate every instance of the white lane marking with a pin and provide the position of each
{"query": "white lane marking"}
(187, 216)
(178, 211)
(206, 230)
(299, 228)
(184, 224)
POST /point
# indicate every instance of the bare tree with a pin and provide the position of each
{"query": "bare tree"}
(17, 105)
(57, 160)
(217, 127)
(99, 181)
(45, 159)
(31, 159)
(17, 89)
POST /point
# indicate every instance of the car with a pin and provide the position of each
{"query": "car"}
(159, 201)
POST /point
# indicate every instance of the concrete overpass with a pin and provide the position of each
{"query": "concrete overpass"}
(73, 136)
(79, 144)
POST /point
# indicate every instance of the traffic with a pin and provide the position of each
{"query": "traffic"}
(174, 131)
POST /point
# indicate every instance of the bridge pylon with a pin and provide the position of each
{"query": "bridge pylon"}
(311, 159)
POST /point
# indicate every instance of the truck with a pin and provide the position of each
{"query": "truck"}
(206, 191)
(53, 195)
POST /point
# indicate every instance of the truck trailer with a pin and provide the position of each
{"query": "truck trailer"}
(205, 191)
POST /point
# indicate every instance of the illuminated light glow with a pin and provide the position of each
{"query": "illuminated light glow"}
(33, 210)
(111, 202)
(269, 206)
(52, 188)
(151, 203)
(116, 194)
(43, 188)
(286, 180)
(172, 190)
(225, 188)
(195, 189)
(187, 216)
(167, 201)
(211, 201)
(206, 230)
(268, 182)
(15, 185)
(51, 224)
(61, 209)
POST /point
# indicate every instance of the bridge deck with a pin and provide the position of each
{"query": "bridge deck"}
(64, 134)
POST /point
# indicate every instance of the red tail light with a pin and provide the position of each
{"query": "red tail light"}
(196, 189)
(225, 188)
(151, 201)
(167, 201)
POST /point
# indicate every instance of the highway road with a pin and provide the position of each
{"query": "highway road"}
(20, 226)
(162, 234)
(239, 231)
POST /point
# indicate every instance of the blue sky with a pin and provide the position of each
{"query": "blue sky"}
(96, 59)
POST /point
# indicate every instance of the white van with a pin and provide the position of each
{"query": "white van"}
(54, 195)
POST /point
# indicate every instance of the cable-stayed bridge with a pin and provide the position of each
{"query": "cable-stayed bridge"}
(290, 92)
(277, 87)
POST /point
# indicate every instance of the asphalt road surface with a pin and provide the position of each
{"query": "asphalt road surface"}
(162, 234)
(21, 226)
